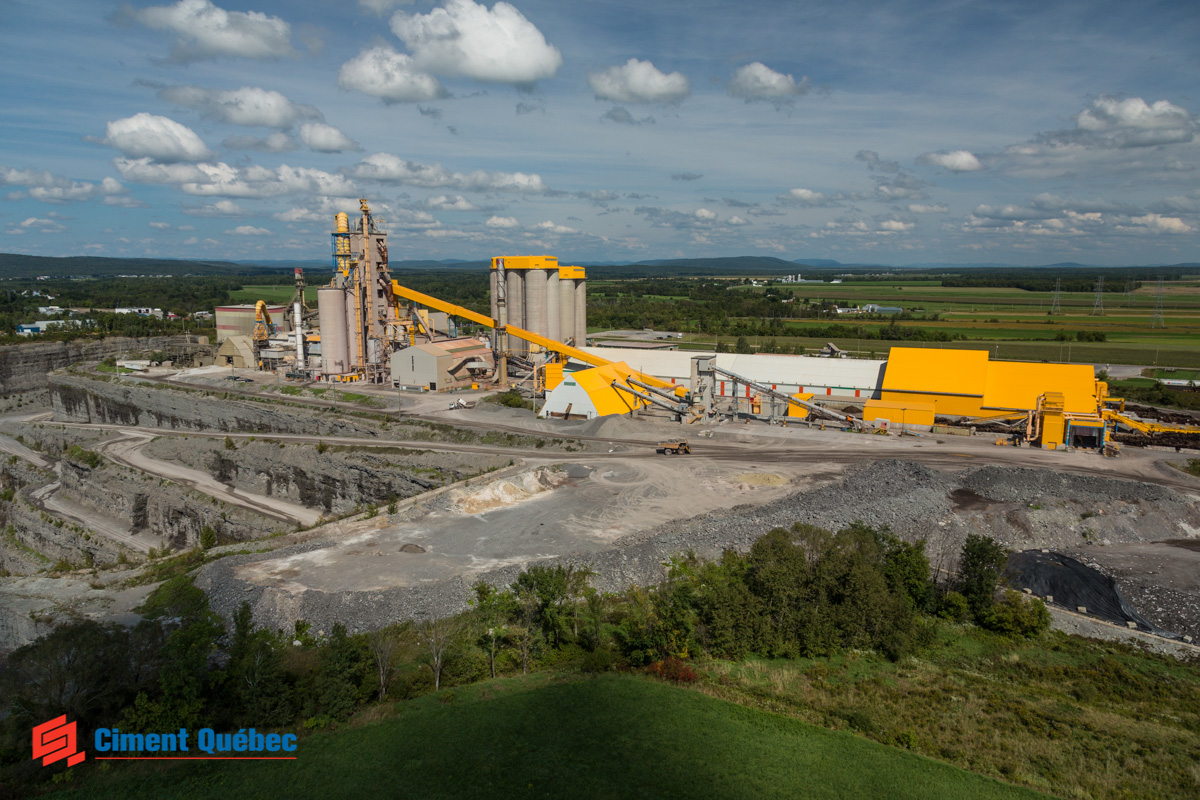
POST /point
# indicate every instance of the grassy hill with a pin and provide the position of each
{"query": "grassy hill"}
(553, 736)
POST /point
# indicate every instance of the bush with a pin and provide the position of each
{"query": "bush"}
(208, 538)
(954, 607)
(674, 670)
(1016, 616)
(88, 458)
(596, 661)
(510, 399)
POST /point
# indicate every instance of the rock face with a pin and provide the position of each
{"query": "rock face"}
(32, 540)
(23, 367)
(337, 480)
(165, 509)
(77, 398)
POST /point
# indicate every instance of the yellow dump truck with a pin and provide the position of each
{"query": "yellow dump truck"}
(674, 447)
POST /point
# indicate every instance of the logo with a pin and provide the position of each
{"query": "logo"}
(56, 740)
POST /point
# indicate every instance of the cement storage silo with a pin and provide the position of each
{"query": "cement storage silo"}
(516, 306)
(553, 309)
(535, 301)
(331, 311)
(566, 303)
(580, 312)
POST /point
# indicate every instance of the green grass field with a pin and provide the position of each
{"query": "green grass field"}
(547, 736)
(275, 295)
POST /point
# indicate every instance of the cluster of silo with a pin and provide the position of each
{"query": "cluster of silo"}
(540, 296)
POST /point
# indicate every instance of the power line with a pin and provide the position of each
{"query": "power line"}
(1098, 304)
(1158, 321)
(1055, 309)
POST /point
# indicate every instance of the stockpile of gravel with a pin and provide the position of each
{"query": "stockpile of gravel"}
(1026, 485)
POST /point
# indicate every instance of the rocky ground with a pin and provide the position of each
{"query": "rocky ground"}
(1023, 508)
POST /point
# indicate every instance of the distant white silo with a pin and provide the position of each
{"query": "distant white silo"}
(553, 312)
(331, 311)
(535, 300)
(516, 307)
(566, 308)
(353, 330)
(581, 312)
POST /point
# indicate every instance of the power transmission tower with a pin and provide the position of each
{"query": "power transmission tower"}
(1157, 321)
(1098, 306)
(1055, 309)
(1129, 282)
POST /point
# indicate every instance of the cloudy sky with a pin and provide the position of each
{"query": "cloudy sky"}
(897, 132)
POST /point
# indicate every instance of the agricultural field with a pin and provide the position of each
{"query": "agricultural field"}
(1012, 323)
(275, 295)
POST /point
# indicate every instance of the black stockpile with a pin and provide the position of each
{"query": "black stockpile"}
(1072, 584)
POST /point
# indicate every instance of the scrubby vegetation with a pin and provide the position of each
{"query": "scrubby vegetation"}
(511, 398)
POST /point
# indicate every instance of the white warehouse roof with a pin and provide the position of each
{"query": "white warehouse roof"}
(843, 373)
(669, 365)
(810, 372)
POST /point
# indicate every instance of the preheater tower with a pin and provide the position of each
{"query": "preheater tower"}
(542, 297)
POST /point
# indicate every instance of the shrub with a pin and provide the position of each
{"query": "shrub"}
(208, 537)
(674, 670)
(229, 445)
(1016, 616)
(954, 607)
(596, 661)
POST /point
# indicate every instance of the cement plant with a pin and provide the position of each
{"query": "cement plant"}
(343, 458)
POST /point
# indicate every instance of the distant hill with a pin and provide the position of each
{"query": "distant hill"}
(14, 265)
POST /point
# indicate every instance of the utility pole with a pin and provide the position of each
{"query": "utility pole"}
(1055, 310)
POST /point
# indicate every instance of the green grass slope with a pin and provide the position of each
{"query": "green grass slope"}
(545, 736)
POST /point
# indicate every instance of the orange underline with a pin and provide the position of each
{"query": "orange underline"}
(195, 758)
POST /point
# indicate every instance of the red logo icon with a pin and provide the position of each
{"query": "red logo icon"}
(56, 740)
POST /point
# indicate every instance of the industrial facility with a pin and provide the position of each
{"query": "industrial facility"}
(370, 328)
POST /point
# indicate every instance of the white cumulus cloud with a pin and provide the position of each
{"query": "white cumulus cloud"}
(704, 215)
(50, 188)
(551, 227)
(387, 168)
(161, 139)
(1161, 224)
(896, 226)
(250, 105)
(221, 208)
(323, 138)
(275, 142)
(465, 39)
(501, 222)
(758, 82)
(804, 197)
(639, 82)
(444, 202)
(248, 230)
(955, 160)
(204, 30)
(393, 77)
